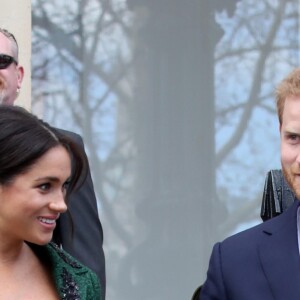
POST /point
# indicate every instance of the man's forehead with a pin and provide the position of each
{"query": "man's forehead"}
(5, 44)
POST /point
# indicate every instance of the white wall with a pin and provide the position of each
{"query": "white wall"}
(15, 15)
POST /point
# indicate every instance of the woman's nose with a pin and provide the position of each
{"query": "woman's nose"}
(58, 203)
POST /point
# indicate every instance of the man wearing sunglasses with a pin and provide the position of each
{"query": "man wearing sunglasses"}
(11, 74)
(81, 233)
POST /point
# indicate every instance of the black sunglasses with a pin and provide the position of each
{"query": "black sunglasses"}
(6, 60)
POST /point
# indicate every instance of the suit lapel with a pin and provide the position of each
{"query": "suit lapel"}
(279, 255)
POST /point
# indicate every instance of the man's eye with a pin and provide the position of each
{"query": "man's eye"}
(45, 187)
(293, 136)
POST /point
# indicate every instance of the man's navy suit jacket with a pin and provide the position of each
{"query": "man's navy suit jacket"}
(83, 221)
(261, 263)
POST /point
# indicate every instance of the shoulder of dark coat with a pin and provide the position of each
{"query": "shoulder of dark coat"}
(268, 227)
(74, 136)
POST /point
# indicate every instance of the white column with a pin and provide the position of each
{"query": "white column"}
(15, 16)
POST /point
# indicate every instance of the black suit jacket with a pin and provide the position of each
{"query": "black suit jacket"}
(87, 240)
(262, 263)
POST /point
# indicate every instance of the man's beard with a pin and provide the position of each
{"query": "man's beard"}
(290, 179)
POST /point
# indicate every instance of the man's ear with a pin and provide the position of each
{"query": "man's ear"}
(20, 75)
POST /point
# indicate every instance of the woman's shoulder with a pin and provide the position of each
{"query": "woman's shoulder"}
(61, 257)
(71, 277)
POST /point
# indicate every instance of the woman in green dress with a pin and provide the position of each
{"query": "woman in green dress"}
(39, 168)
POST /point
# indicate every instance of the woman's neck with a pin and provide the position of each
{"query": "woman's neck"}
(14, 252)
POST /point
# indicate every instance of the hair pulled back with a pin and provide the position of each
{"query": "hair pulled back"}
(24, 139)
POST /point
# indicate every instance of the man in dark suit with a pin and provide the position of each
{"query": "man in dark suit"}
(263, 263)
(80, 232)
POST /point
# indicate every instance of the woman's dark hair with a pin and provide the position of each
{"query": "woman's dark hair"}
(24, 139)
